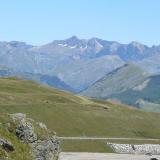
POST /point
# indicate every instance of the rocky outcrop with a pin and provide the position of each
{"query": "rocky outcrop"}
(6, 145)
(42, 149)
(25, 132)
(42, 144)
(135, 149)
(18, 116)
(42, 125)
(46, 149)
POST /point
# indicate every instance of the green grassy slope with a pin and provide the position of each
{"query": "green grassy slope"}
(121, 79)
(149, 94)
(71, 115)
(22, 151)
(130, 85)
(85, 146)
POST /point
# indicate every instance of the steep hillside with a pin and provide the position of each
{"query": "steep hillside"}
(52, 81)
(73, 115)
(22, 138)
(81, 74)
(151, 64)
(130, 85)
(115, 82)
(146, 95)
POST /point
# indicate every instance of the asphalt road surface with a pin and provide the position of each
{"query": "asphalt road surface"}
(103, 156)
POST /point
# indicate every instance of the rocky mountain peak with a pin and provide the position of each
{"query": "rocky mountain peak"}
(95, 44)
(17, 44)
(138, 46)
(72, 41)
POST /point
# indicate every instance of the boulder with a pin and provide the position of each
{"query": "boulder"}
(42, 149)
(42, 125)
(18, 116)
(46, 149)
(6, 145)
(25, 132)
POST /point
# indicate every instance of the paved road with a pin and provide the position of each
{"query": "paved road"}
(103, 156)
(107, 138)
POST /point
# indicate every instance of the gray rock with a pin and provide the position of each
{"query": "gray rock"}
(25, 132)
(6, 145)
(46, 149)
(18, 116)
(42, 125)
(138, 149)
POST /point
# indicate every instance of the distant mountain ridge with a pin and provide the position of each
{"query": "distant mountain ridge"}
(75, 64)
(66, 59)
(143, 95)
(117, 81)
(44, 79)
(130, 85)
(95, 47)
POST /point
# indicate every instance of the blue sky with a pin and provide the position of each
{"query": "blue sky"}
(42, 21)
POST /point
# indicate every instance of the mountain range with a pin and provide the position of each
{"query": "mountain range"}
(121, 79)
(130, 85)
(92, 67)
